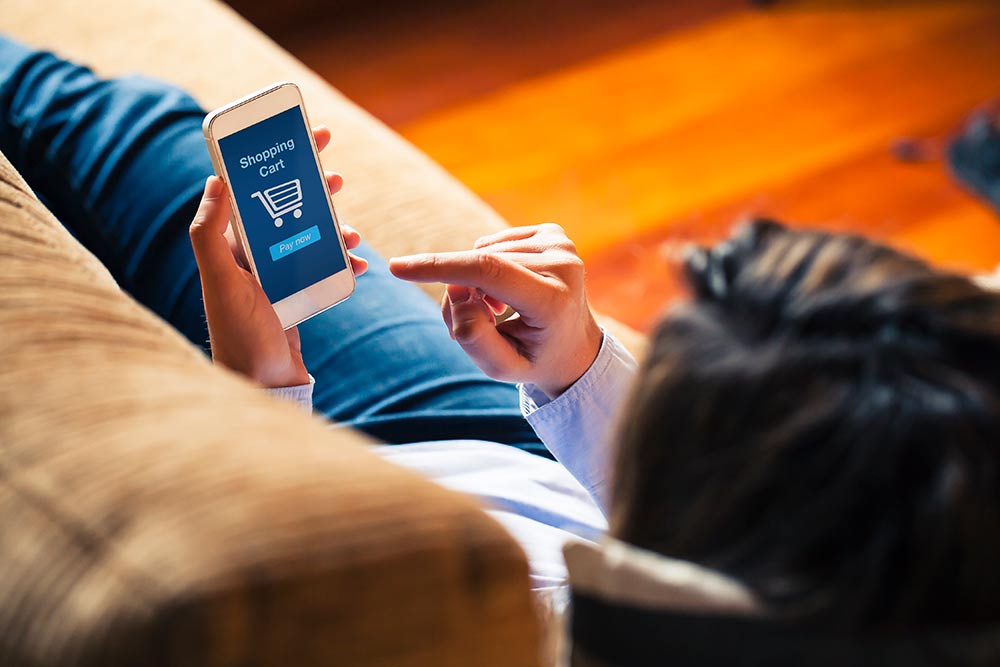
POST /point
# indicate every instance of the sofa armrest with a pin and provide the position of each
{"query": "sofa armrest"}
(157, 510)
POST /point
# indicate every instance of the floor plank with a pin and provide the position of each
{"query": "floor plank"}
(402, 60)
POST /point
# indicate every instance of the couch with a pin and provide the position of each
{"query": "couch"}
(149, 516)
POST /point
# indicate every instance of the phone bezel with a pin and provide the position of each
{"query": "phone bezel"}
(238, 115)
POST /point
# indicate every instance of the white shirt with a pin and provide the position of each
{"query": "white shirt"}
(541, 503)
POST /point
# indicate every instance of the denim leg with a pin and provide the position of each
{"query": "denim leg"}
(122, 163)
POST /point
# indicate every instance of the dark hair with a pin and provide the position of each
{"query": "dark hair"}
(822, 421)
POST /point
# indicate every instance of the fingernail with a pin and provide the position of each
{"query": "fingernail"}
(458, 294)
(213, 186)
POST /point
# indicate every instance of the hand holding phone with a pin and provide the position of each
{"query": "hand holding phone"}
(282, 214)
(246, 333)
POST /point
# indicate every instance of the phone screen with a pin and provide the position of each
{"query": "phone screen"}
(282, 201)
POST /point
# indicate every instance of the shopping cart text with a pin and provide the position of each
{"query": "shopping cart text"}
(267, 156)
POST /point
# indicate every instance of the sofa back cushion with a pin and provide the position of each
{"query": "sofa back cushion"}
(157, 510)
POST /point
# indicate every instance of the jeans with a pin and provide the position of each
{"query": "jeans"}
(122, 164)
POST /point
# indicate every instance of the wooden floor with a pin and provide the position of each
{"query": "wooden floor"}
(643, 125)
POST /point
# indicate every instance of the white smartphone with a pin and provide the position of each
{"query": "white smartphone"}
(262, 147)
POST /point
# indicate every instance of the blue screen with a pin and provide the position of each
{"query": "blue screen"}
(282, 203)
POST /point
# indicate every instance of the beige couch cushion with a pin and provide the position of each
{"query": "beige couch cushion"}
(159, 511)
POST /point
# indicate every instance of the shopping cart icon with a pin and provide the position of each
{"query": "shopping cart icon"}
(281, 200)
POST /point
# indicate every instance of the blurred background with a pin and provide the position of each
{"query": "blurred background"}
(642, 125)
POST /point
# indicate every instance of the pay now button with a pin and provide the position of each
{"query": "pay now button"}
(294, 243)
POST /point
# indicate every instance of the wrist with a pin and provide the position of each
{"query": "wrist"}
(270, 376)
(577, 366)
(294, 378)
(292, 374)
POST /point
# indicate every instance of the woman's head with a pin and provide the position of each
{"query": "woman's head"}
(822, 421)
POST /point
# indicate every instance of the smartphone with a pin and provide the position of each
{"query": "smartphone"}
(263, 148)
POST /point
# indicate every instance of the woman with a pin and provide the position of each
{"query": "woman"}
(818, 422)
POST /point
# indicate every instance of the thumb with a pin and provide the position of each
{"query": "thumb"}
(473, 326)
(211, 249)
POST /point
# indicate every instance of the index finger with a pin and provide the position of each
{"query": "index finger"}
(498, 277)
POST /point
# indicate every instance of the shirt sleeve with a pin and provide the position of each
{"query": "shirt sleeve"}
(301, 395)
(576, 426)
